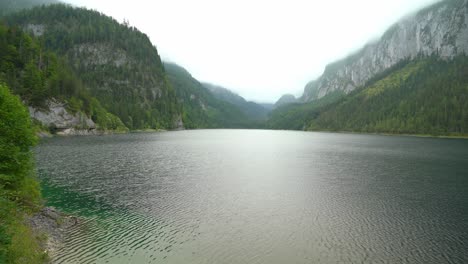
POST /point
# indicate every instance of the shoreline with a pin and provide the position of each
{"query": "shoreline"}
(52, 226)
(46, 134)
(391, 134)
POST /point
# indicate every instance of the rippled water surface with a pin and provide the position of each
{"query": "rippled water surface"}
(248, 196)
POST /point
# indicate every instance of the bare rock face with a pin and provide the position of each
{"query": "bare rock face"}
(36, 29)
(60, 119)
(440, 30)
(101, 54)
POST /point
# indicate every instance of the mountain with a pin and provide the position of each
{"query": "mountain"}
(117, 64)
(10, 6)
(268, 106)
(201, 109)
(285, 100)
(56, 97)
(297, 116)
(412, 81)
(423, 96)
(252, 110)
(440, 30)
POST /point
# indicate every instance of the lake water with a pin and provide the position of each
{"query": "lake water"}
(254, 196)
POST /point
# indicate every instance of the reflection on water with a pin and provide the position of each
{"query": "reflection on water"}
(253, 196)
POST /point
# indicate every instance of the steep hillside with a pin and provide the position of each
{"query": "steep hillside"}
(425, 96)
(412, 81)
(440, 30)
(297, 116)
(252, 110)
(118, 63)
(200, 108)
(10, 6)
(285, 100)
(56, 98)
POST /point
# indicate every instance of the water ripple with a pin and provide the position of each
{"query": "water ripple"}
(235, 196)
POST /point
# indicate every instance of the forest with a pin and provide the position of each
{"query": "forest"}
(38, 75)
(19, 190)
(426, 96)
(117, 64)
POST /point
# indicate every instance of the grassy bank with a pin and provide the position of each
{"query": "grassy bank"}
(19, 190)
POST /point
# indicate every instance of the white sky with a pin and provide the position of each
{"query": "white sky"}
(259, 49)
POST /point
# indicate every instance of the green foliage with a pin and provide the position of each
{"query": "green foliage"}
(298, 116)
(118, 63)
(19, 191)
(104, 119)
(38, 76)
(10, 6)
(200, 108)
(426, 96)
(252, 111)
(16, 137)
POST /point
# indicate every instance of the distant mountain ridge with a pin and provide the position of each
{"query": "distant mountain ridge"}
(252, 110)
(285, 100)
(439, 30)
(201, 109)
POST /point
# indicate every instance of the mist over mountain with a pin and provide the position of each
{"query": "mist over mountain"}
(201, 108)
(10, 6)
(285, 100)
(119, 69)
(440, 30)
(252, 110)
(411, 81)
(117, 63)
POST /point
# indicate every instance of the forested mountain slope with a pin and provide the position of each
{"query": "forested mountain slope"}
(423, 96)
(285, 100)
(252, 110)
(44, 81)
(411, 81)
(439, 30)
(10, 6)
(118, 63)
(200, 107)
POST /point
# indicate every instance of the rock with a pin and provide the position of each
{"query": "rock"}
(54, 224)
(440, 30)
(178, 123)
(101, 54)
(36, 30)
(58, 118)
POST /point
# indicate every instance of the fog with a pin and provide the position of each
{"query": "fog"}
(259, 49)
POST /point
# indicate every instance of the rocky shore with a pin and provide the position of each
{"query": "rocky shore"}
(52, 224)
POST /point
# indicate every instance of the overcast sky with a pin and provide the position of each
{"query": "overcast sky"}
(259, 49)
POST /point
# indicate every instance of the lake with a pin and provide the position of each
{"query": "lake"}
(258, 196)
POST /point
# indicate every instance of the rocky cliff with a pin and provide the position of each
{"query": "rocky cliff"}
(117, 63)
(440, 30)
(61, 121)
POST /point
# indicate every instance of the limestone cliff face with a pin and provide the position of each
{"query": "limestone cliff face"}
(58, 118)
(440, 30)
